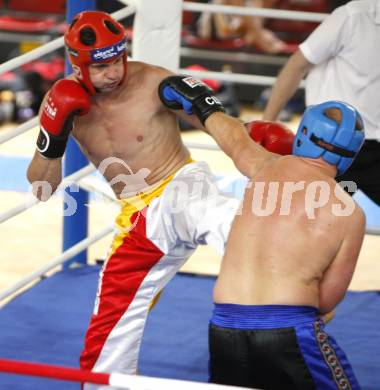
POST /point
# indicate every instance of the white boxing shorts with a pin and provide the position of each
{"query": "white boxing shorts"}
(157, 232)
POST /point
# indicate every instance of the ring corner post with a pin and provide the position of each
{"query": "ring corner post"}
(156, 30)
(75, 226)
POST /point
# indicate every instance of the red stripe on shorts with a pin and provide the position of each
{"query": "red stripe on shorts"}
(124, 273)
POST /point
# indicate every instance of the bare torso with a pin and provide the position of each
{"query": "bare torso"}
(130, 125)
(281, 259)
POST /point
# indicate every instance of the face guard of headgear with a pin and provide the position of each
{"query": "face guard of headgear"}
(94, 37)
(320, 136)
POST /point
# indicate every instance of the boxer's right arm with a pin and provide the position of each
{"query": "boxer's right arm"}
(44, 175)
(65, 100)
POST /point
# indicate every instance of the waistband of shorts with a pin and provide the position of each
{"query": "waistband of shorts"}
(143, 198)
(262, 316)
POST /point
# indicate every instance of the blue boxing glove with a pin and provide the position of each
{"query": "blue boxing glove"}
(189, 94)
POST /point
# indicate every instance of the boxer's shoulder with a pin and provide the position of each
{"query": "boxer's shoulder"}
(144, 72)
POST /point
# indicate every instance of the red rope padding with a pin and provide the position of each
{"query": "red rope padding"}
(50, 371)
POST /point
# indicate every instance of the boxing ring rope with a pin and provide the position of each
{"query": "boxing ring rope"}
(121, 381)
(82, 180)
(253, 11)
(372, 230)
(232, 56)
(23, 128)
(31, 55)
(195, 145)
(68, 254)
(234, 77)
(65, 182)
(91, 184)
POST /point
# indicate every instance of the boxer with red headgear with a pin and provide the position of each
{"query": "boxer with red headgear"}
(95, 38)
(97, 48)
(127, 127)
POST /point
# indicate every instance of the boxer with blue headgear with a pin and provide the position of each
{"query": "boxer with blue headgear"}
(336, 141)
(289, 259)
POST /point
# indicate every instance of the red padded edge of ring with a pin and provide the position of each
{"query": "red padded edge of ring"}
(50, 371)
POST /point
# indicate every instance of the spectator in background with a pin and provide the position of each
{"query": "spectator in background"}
(217, 26)
(341, 59)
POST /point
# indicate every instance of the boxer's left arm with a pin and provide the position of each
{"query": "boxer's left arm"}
(271, 140)
(190, 95)
(337, 276)
(195, 98)
(233, 138)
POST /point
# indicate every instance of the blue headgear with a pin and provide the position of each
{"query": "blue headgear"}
(319, 136)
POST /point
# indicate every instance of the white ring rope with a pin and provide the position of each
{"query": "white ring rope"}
(233, 77)
(121, 381)
(68, 254)
(31, 55)
(57, 43)
(373, 230)
(23, 128)
(254, 11)
(137, 382)
(195, 145)
(92, 184)
(228, 56)
(73, 178)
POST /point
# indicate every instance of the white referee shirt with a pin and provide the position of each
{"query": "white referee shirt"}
(346, 51)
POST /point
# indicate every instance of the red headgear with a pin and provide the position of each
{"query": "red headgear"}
(94, 37)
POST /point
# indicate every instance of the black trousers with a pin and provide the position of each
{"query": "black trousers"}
(263, 359)
(365, 170)
(303, 357)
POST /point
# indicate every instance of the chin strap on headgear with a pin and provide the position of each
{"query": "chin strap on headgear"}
(336, 141)
(94, 37)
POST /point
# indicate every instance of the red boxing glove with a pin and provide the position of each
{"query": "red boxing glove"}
(273, 136)
(65, 99)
